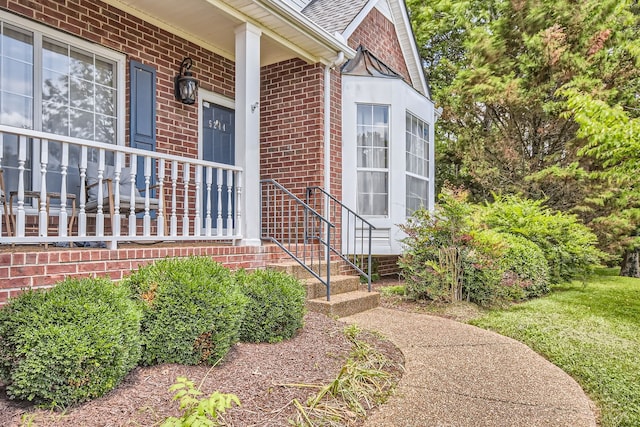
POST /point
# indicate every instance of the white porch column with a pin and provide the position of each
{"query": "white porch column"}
(248, 127)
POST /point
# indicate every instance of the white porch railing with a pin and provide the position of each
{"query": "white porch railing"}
(182, 199)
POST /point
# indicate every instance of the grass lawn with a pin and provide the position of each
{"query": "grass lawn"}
(592, 332)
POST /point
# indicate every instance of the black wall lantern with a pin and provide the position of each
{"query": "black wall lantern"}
(186, 86)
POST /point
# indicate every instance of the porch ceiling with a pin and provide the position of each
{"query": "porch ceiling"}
(211, 24)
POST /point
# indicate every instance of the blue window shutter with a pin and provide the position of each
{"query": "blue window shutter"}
(143, 112)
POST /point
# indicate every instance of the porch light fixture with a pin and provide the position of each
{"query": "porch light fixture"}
(186, 86)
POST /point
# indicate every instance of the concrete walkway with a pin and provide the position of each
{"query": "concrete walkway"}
(460, 375)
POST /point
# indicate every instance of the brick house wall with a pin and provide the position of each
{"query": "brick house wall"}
(291, 124)
(378, 35)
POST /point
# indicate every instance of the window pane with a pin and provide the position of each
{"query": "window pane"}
(417, 190)
(380, 115)
(106, 129)
(81, 94)
(105, 101)
(55, 87)
(364, 115)
(81, 124)
(17, 110)
(104, 73)
(373, 197)
(17, 45)
(81, 65)
(55, 119)
(55, 57)
(17, 77)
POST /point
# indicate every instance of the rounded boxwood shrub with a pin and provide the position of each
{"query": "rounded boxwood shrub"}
(192, 310)
(275, 306)
(69, 344)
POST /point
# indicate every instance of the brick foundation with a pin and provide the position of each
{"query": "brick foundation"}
(34, 268)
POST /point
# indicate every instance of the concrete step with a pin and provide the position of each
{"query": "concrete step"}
(339, 285)
(296, 270)
(345, 304)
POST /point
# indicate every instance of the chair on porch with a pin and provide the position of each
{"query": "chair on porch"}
(108, 200)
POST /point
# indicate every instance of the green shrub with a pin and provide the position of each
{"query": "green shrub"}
(568, 245)
(192, 310)
(69, 344)
(520, 270)
(528, 265)
(275, 306)
(435, 249)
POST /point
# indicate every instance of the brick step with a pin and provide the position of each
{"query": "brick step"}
(339, 285)
(345, 304)
(296, 270)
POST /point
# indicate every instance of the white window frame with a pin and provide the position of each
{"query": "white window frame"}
(39, 31)
(424, 177)
(373, 169)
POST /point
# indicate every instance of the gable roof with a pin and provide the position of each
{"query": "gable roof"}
(334, 15)
(345, 16)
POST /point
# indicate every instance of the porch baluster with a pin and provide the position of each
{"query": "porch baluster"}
(229, 203)
(22, 159)
(174, 183)
(185, 218)
(100, 214)
(82, 215)
(209, 171)
(115, 221)
(219, 221)
(63, 216)
(133, 167)
(161, 207)
(197, 224)
(238, 224)
(43, 218)
(147, 183)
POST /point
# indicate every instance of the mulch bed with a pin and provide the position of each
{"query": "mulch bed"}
(261, 375)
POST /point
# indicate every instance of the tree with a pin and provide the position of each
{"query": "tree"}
(496, 67)
(613, 140)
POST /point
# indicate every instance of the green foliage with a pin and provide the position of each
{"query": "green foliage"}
(192, 310)
(393, 290)
(567, 244)
(494, 67)
(507, 250)
(591, 333)
(198, 411)
(435, 249)
(275, 308)
(69, 344)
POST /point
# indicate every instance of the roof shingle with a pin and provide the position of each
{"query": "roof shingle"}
(333, 15)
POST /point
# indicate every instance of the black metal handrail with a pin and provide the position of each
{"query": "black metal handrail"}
(290, 223)
(346, 246)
